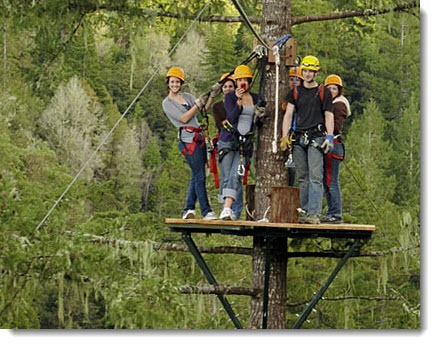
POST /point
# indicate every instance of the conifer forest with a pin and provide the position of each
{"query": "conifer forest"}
(90, 169)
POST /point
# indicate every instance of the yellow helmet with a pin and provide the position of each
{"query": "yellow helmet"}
(242, 72)
(225, 75)
(296, 71)
(311, 63)
(333, 79)
(176, 72)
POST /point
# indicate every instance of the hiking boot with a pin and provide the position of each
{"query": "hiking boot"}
(312, 219)
(189, 214)
(210, 216)
(226, 214)
(331, 219)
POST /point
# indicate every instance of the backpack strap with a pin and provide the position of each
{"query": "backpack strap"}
(321, 92)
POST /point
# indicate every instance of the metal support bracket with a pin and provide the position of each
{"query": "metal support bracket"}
(210, 278)
(328, 282)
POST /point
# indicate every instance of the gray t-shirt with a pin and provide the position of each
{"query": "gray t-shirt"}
(174, 110)
(245, 119)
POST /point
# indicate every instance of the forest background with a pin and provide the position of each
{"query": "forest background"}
(70, 73)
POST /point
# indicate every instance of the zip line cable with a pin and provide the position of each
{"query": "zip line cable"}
(103, 141)
(248, 22)
(93, 155)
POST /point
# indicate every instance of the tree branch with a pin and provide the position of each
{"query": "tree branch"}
(361, 13)
(220, 289)
(257, 20)
(341, 298)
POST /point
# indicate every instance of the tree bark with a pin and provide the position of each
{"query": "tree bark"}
(270, 172)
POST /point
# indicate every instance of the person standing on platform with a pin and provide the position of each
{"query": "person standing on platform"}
(295, 74)
(311, 104)
(235, 145)
(220, 115)
(181, 109)
(341, 111)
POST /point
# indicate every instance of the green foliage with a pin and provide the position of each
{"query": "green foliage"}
(367, 160)
(70, 70)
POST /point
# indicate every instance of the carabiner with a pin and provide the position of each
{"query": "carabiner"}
(241, 170)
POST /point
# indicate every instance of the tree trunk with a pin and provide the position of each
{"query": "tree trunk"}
(270, 171)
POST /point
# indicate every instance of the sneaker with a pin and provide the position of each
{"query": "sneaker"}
(189, 214)
(312, 219)
(210, 216)
(331, 219)
(226, 214)
(302, 215)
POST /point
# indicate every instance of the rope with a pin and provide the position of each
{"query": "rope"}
(277, 63)
(103, 141)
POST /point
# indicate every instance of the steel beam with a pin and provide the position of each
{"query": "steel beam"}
(323, 289)
(210, 278)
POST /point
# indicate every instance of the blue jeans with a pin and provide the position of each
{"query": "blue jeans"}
(231, 183)
(197, 186)
(308, 159)
(333, 191)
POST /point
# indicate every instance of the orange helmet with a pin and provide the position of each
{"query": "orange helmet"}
(225, 75)
(333, 79)
(296, 71)
(176, 72)
(311, 63)
(242, 72)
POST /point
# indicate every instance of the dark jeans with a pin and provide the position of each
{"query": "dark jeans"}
(333, 191)
(197, 186)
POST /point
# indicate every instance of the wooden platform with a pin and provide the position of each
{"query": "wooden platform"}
(252, 228)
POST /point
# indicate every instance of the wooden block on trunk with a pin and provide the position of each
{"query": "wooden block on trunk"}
(284, 203)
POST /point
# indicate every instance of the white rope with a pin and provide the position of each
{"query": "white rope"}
(275, 51)
(103, 141)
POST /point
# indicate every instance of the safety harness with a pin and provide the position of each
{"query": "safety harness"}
(189, 148)
(310, 133)
(244, 145)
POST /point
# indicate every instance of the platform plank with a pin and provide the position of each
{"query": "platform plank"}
(253, 225)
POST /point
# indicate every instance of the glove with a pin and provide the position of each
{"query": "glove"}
(201, 100)
(328, 144)
(215, 90)
(285, 143)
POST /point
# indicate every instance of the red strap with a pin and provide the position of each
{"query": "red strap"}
(189, 148)
(328, 168)
(245, 177)
(191, 128)
(213, 162)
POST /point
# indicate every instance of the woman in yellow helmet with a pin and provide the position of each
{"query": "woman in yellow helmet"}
(181, 109)
(220, 115)
(236, 138)
(341, 110)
